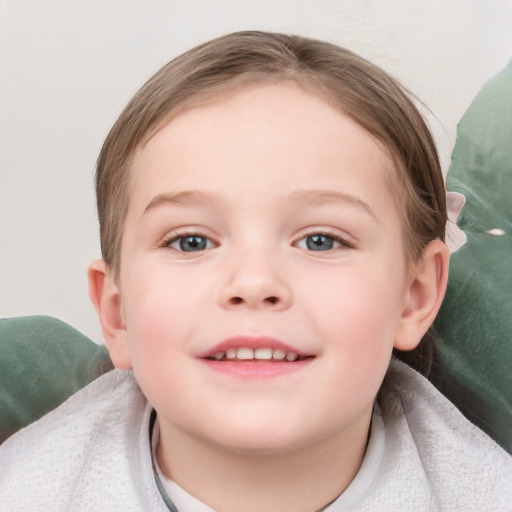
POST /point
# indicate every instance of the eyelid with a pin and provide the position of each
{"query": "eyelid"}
(345, 240)
(184, 232)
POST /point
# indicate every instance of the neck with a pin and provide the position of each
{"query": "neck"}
(300, 480)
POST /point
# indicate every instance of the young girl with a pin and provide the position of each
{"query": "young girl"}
(272, 217)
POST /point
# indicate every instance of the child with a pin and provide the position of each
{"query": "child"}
(272, 217)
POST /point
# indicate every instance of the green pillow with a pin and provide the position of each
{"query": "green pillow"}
(474, 349)
(42, 362)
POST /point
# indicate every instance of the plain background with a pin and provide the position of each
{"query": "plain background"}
(68, 67)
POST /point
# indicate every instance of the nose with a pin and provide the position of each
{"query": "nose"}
(255, 282)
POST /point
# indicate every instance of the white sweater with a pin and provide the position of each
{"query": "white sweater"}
(93, 453)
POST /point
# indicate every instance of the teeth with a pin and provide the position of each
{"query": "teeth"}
(231, 353)
(279, 354)
(245, 353)
(261, 354)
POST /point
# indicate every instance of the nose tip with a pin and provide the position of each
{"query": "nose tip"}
(255, 286)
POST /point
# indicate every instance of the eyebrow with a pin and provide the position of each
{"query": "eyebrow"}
(304, 198)
(299, 198)
(179, 198)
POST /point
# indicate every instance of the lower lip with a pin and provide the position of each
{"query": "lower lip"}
(256, 370)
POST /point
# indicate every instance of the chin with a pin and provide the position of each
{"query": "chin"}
(260, 440)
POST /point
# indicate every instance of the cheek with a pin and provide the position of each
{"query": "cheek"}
(358, 310)
(161, 309)
(162, 312)
(356, 317)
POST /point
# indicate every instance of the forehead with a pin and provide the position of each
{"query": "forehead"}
(276, 130)
(258, 149)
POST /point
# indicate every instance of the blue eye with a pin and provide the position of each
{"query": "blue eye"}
(190, 243)
(319, 242)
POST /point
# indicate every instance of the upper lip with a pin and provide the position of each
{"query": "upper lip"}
(253, 342)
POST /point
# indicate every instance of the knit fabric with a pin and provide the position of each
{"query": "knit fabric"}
(94, 453)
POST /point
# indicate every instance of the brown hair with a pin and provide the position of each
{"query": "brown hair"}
(348, 82)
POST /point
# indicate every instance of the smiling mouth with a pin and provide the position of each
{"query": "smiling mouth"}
(258, 355)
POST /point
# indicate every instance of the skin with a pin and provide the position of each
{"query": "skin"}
(254, 174)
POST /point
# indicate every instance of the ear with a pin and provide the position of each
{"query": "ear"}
(425, 291)
(106, 298)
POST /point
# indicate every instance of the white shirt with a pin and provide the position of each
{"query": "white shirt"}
(94, 453)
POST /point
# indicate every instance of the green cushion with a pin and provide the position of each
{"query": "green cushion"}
(474, 367)
(43, 361)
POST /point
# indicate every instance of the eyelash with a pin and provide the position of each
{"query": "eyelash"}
(171, 239)
(336, 238)
(343, 243)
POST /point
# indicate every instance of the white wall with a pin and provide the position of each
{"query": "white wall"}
(67, 67)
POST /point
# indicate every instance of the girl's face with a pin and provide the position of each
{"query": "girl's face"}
(262, 274)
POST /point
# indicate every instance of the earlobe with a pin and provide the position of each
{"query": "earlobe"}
(106, 298)
(426, 288)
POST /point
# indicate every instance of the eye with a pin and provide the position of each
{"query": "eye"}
(189, 243)
(320, 242)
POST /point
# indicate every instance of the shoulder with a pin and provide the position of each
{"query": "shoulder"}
(78, 456)
(464, 468)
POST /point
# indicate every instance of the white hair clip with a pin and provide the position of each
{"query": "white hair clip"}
(455, 237)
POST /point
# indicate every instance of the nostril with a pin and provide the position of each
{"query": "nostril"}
(268, 300)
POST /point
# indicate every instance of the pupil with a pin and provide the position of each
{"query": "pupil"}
(319, 243)
(193, 243)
